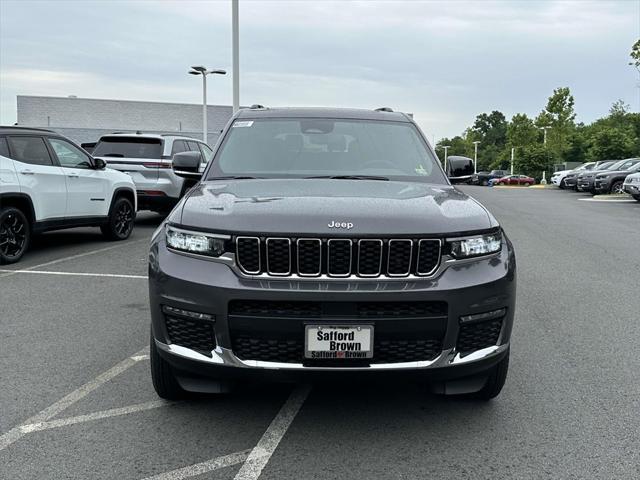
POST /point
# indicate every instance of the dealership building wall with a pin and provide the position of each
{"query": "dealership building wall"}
(86, 119)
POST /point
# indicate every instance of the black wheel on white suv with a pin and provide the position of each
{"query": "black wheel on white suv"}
(15, 234)
(121, 218)
(563, 184)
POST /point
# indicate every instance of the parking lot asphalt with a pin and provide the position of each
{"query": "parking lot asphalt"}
(77, 402)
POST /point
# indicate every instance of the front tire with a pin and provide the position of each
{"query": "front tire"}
(15, 235)
(164, 381)
(496, 380)
(636, 197)
(562, 185)
(617, 188)
(121, 218)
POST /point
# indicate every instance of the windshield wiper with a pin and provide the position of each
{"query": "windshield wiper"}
(352, 177)
(233, 177)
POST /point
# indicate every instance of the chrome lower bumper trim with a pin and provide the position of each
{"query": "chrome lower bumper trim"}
(225, 357)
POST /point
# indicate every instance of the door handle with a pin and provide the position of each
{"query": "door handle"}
(27, 172)
(73, 175)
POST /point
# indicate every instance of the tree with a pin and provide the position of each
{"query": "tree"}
(521, 131)
(561, 116)
(490, 129)
(619, 109)
(610, 144)
(533, 160)
(635, 55)
(457, 146)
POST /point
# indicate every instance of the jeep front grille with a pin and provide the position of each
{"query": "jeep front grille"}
(338, 257)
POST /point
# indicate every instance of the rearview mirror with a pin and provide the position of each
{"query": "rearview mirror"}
(187, 165)
(459, 169)
(99, 164)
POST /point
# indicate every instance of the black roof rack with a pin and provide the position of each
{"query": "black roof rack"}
(384, 109)
(257, 106)
(22, 127)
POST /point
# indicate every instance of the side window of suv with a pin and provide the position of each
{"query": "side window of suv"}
(178, 147)
(207, 153)
(4, 147)
(31, 150)
(68, 155)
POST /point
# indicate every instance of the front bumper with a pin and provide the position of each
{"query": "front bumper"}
(632, 188)
(602, 186)
(586, 185)
(194, 284)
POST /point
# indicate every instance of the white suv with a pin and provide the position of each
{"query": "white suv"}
(147, 158)
(47, 183)
(632, 185)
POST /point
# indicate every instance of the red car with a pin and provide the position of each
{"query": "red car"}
(515, 180)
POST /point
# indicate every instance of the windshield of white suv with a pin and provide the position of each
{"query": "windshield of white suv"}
(128, 147)
(319, 147)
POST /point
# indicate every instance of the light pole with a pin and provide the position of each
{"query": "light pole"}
(475, 156)
(544, 142)
(200, 70)
(513, 154)
(235, 45)
(446, 148)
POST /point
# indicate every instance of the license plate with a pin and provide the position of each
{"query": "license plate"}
(339, 341)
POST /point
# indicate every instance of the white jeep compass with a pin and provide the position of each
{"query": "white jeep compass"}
(47, 183)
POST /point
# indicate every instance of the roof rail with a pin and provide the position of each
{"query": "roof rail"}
(257, 106)
(22, 127)
(384, 109)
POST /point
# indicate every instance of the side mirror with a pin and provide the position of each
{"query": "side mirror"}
(459, 169)
(99, 164)
(187, 165)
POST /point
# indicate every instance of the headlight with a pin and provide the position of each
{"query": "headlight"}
(195, 242)
(475, 246)
(635, 180)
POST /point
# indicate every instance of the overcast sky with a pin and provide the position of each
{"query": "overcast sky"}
(444, 61)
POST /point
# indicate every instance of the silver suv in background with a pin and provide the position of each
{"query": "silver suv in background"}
(147, 158)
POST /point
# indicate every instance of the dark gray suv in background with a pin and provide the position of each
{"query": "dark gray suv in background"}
(328, 242)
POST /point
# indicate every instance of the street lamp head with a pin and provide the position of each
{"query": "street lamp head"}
(218, 72)
(193, 72)
(199, 68)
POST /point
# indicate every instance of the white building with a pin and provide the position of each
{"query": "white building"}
(86, 119)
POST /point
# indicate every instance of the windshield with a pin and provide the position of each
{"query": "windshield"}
(128, 147)
(319, 147)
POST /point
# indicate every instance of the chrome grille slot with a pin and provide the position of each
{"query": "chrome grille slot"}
(428, 256)
(278, 256)
(339, 253)
(309, 257)
(248, 254)
(369, 257)
(399, 257)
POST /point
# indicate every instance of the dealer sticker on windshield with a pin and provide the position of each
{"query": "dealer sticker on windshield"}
(340, 341)
(244, 123)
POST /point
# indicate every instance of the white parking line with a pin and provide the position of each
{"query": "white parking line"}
(262, 452)
(113, 412)
(204, 467)
(16, 433)
(76, 274)
(73, 257)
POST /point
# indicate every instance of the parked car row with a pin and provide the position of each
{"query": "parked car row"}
(500, 177)
(603, 177)
(47, 182)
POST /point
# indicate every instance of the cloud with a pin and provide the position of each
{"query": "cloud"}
(444, 61)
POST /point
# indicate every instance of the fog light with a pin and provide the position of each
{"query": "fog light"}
(481, 317)
(188, 313)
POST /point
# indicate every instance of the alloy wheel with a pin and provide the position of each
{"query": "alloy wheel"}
(13, 236)
(123, 219)
(617, 188)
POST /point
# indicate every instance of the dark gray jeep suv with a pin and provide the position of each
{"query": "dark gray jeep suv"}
(328, 242)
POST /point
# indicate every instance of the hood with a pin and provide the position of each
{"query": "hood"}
(310, 206)
(614, 172)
